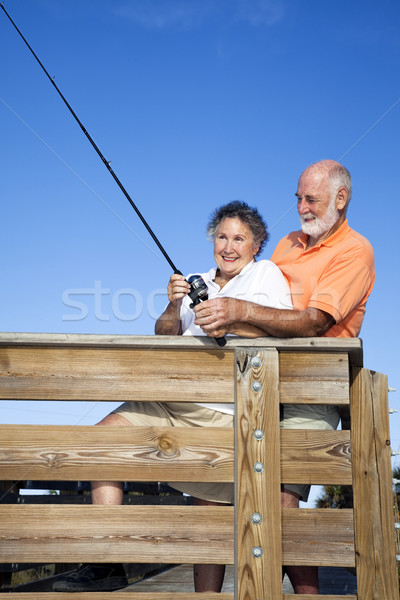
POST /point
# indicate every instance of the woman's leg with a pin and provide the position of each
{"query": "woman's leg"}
(109, 492)
(208, 578)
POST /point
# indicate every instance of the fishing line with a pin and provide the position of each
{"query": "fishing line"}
(83, 182)
(198, 288)
(106, 163)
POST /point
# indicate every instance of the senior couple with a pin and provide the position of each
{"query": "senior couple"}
(316, 284)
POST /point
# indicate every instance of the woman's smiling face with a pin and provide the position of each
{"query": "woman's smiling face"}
(233, 247)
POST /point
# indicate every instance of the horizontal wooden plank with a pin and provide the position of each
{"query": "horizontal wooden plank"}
(83, 453)
(321, 378)
(352, 346)
(184, 534)
(121, 373)
(312, 597)
(80, 453)
(318, 537)
(128, 595)
(115, 374)
(180, 579)
(153, 596)
(143, 534)
(316, 457)
(122, 595)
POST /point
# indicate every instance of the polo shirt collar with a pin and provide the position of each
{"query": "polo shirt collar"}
(337, 236)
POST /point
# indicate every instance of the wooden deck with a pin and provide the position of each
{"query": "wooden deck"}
(180, 579)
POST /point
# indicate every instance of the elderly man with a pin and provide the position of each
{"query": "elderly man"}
(330, 270)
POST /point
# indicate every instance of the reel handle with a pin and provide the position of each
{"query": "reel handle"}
(199, 292)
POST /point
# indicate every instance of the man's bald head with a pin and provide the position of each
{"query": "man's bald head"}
(337, 175)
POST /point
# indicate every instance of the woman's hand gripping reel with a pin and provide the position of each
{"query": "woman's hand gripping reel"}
(199, 292)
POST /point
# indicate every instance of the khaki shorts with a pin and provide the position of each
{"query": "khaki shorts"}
(307, 416)
(189, 414)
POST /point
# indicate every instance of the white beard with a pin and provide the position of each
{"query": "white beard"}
(317, 227)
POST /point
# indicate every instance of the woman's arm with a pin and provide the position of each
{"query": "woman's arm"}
(169, 323)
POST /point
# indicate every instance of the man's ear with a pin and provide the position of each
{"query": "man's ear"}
(341, 198)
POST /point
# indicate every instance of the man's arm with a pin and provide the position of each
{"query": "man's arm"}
(247, 319)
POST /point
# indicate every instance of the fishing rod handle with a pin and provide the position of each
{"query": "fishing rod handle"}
(199, 292)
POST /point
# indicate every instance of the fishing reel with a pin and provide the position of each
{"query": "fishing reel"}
(198, 293)
(198, 290)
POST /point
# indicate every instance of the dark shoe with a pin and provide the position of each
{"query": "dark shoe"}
(92, 578)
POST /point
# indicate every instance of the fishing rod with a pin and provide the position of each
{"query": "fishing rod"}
(198, 287)
(106, 163)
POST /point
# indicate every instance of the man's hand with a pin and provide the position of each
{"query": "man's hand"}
(215, 316)
(220, 316)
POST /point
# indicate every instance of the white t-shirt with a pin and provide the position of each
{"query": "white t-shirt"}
(259, 282)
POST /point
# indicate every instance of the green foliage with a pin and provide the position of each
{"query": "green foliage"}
(335, 496)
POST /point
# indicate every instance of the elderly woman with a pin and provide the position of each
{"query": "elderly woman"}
(238, 233)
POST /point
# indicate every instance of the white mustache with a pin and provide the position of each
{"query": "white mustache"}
(307, 218)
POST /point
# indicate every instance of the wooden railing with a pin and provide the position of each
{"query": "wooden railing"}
(259, 375)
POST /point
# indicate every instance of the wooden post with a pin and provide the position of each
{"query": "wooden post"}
(258, 504)
(372, 488)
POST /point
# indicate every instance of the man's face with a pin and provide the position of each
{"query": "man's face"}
(316, 204)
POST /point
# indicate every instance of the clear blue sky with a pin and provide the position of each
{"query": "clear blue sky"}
(196, 103)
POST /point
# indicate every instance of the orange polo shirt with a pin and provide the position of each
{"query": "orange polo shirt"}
(336, 276)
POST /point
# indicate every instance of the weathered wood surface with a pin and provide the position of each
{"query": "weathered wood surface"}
(179, 582)
(115, 374)
(332, 582)
(86, 536)
(322, 596)
(170, 534)
(179, 579)
(352, 346)
(383, 466)
(258, 492)
(128, 595)
(318, 537)
(68, 453)
(316, 457)
(116, 533)
(128, 374)
(372, 487)
(321, 378)
(125, 595)
(116, 454)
